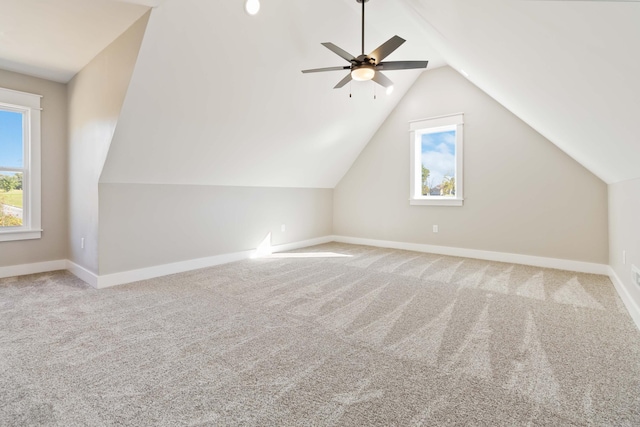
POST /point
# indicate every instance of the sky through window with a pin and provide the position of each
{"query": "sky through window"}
(11, 149)
(439, 155)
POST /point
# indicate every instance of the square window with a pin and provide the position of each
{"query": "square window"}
(436, 161)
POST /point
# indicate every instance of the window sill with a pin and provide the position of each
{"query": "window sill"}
(13, 235)
(436, 202)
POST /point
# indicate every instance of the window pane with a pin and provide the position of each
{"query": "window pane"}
(11, 149)
(438, 153)
(11, 199)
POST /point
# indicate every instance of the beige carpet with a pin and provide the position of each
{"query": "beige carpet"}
(339, 335)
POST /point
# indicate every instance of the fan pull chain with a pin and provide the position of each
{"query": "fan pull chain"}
(374, 91)
(350, 89)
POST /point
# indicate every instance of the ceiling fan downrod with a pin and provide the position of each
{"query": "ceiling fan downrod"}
(363, 2)
(369, 67)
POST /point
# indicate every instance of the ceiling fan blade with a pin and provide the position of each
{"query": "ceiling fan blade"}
(319, 70)
(401, 65)
(382, 80)
(386, 48)
(339, 51)
(343, 82)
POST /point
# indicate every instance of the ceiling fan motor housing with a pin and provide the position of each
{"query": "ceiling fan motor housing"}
(368, 67)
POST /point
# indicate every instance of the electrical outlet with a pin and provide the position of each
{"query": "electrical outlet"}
(435, 228)
(635, 274)
(283, 228)
(82, 243)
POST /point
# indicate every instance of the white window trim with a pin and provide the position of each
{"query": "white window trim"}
(417, 128)
(29, 104)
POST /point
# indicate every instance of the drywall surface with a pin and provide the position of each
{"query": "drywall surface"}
(217, 97)
(144, 225)
(54, 39)
(53, 244)
(522, 194)
(624, 232)
(95, 97)
(564, 67)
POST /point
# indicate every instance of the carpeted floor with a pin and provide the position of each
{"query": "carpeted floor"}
(332, 335)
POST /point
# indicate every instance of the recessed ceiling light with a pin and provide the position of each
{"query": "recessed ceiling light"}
(252, 6)
(389, 90)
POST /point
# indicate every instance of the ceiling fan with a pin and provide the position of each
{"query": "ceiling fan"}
(369, 67)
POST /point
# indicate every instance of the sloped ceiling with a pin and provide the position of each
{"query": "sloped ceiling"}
(570, 69)
(54, 39)
(217, 96)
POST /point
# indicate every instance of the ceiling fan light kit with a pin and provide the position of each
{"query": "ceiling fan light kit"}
(369, 67)
(363, 73)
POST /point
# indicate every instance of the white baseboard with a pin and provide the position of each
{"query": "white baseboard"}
(34, 268)
(146, 273)
(124, 277)
(83, 274)
(302, 244)
(560, 264)
(632, 306)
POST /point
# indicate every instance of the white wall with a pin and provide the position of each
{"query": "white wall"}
(144, 225)
(95, 97)
(218, 97)
(564, 67)
(522, 194)
(53, 244)
(624, 235)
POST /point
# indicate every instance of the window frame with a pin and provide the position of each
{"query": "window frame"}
(29, 105)
(418, 128)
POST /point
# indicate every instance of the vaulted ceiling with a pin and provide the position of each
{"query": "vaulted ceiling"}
(54, 39)
(217, 96)
(570, 69)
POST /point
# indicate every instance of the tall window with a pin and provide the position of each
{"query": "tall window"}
(19, 165)
(436, 161)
